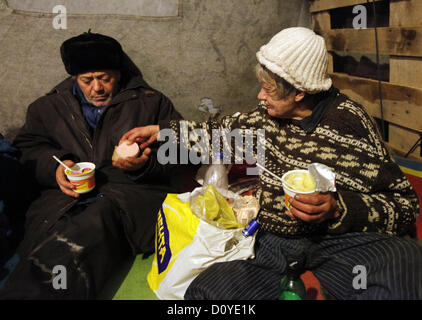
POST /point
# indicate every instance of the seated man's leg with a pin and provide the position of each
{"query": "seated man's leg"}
(257, 278)
(368, 266)
(87, 241)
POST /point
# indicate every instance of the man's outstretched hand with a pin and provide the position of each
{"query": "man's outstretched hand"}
(142, 135)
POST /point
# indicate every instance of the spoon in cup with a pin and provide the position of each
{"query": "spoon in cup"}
(70, 170)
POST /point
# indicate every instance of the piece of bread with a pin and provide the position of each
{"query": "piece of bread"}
(125, 150)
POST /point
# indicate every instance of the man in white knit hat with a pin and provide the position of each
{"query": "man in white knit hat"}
(307, 120)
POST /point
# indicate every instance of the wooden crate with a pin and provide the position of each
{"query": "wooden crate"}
(400, 41)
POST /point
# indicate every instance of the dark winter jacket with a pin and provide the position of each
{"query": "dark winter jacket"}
(10, 175)
(55, 126)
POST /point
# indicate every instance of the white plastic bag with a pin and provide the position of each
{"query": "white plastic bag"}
(204, 244)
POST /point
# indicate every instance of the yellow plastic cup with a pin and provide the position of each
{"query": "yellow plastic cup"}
(290, 192)
(85, 181)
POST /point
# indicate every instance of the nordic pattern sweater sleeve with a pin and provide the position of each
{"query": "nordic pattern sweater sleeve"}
(373, 193)
(199, 136)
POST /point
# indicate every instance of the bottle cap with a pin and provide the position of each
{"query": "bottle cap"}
(296, 263)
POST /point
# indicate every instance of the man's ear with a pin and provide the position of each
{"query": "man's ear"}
(299, 96)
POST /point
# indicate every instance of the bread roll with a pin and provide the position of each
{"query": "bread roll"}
(125, 150)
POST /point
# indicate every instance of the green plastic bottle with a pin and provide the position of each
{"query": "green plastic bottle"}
(291, 285)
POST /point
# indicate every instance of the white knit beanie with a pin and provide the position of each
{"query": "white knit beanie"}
(300, 57)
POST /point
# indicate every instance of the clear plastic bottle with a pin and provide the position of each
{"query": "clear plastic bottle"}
(217, 173)
(291, 285)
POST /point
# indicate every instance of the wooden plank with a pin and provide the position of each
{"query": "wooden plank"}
(321, 21)
(406, 71)
(402, 139)
(321, 5)
(406, 13)
(401, 105)
(393, 41)
(401, 153)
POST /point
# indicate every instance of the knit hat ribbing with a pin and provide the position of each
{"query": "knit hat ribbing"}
(300, 57)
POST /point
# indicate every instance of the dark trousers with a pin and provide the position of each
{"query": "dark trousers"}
(88, 242)
(393, 268)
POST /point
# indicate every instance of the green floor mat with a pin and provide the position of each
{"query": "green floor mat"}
(135, 285)
(129, 282)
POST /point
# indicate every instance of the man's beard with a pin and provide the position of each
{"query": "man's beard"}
(101, 103)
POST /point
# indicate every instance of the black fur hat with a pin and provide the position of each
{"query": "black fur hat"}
(90, 52)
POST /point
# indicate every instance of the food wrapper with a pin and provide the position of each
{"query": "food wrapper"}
(325, 179)
(245, 209)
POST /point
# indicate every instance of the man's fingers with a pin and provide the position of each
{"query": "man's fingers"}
(128, 135)
(138, 162)
(69, 192)
(135, 133)
(62, 181)
(146, 152)
(133, 163)
(117, 164)
(122, 163)
(145, 135)
(67, 187)
(144, 144)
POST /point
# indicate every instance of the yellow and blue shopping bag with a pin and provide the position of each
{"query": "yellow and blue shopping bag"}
(176, 218)
(186, 243)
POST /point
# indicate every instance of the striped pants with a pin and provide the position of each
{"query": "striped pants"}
(393, 268)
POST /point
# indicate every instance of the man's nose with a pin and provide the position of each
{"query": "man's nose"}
(97, 85)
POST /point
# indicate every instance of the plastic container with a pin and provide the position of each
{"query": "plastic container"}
(289, 192)
(217, 173)
(85, 181)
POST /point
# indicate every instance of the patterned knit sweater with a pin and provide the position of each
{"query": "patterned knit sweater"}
(373, 193)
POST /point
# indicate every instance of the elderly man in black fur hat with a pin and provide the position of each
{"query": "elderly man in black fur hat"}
(82, 119)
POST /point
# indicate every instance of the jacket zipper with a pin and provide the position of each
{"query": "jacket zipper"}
(84, 135)
(70, 103)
